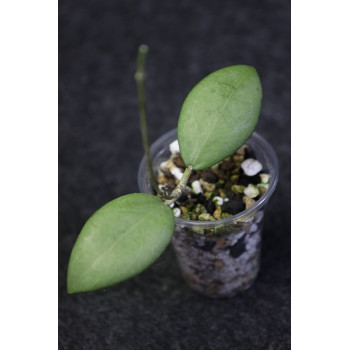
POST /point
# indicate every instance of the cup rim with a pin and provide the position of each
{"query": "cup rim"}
(268, 149)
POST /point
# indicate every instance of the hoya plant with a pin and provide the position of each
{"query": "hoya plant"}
(129, 233)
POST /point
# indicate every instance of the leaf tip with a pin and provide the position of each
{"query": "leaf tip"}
(70, 286)
(70, 291)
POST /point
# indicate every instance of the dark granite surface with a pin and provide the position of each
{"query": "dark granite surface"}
(100, 150)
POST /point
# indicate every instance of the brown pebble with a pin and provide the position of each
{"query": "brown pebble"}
(248, 201)
(238, 159)
(227, 165)
(162, 180)
(217, 213)
(207, 186)
(195, 176)
(209, 176)
(184, 210)
(178, 161)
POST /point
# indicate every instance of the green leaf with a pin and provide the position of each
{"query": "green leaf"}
(219, 115)
(120, 240)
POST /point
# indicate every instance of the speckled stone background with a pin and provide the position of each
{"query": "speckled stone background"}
(100, 150)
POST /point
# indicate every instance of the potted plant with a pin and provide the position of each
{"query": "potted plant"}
(208, 199)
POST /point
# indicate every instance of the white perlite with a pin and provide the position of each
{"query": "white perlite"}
(251, 166)
(196, 187)
(174, 147)
(218, 200)
(264, 178)
(163, 166)
(177, 212)
(251, 191)
(168, 166)
(177, 172)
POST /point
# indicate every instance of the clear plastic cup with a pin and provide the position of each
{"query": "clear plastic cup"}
(218, 258)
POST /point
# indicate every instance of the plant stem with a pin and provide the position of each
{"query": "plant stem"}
(180, 186)
(140, 82)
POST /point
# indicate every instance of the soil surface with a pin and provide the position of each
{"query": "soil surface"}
(218, 192)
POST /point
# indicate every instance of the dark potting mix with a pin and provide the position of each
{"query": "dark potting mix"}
(218, 192)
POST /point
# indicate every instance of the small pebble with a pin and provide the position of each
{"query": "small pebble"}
(218, 200)
(176, 172)
(246, 180)
(162, 180)
(232, 195)
(164, 166)
(196, 187)
(209, 176)
(200, 198)
(177, 212)
(251, 166)
(237, 188)
(251, 191)
(248, 201)
(233, 206)
(264, 178)
(177, 160)
(204, 217)
(184, 210)
(210, 206)
(198, 209)
(207, 186)
(182, 199)
(237, 158)
(227, 165)
(174, 147)
(217, 213)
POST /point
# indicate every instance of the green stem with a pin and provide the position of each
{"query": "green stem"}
(140, 82)
(180, 186)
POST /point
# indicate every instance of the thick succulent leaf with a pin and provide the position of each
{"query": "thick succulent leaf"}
(219, 115)
(120, 240)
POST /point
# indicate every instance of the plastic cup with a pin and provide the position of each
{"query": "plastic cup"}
(218, 258)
